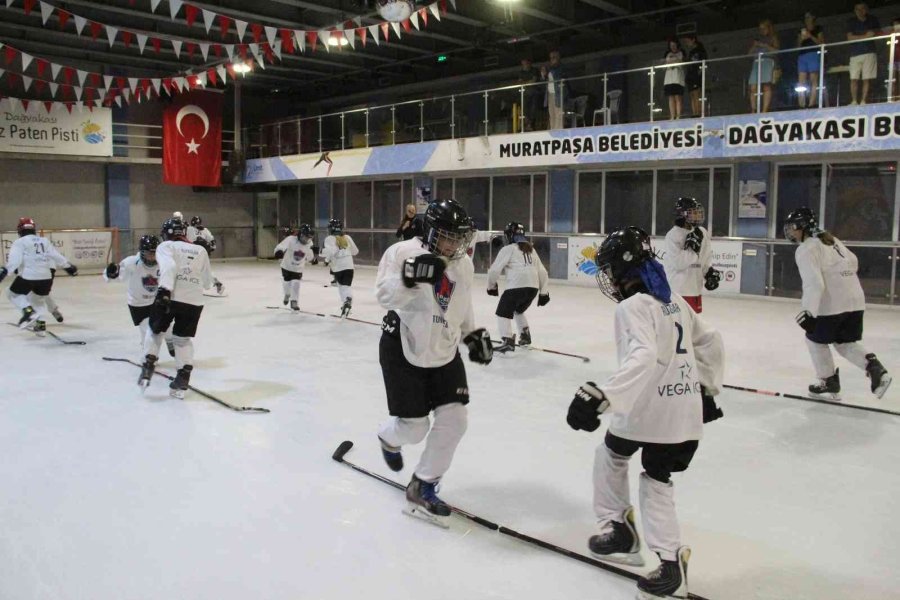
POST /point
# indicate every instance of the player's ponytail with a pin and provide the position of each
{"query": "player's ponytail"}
(826, 237)
(342, 242)
(526, 247)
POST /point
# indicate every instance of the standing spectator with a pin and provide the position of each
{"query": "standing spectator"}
(673, 84)
(556, 90)
(410, 226)
(763, 71)
(863, 60)
(696, 52)
(808, 62)
(529, 75)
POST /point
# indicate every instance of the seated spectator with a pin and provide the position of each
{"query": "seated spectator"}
(696, 52)
(810, 36)
(673, 84)
(863, 57)
(763, 72)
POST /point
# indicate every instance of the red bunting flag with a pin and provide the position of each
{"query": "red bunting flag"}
(423, 14)
(190, 14)
(41, 66)
(224, 25)
(25, 105)
(287, 41)
(29, 4)
(38, 85)
(49, 106)
(217, 50)
(63, 17)
(256, 29)
(9, 54)
(68, 73)
(156, 43)
(211, 74)
(96, 28)
(127, 37)
(385, 31)
(363, 32)
(407, 26)
(192, 140)
(311, 39)
(191, 47)
(95, 79)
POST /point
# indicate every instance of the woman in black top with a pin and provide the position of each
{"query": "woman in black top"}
(696, 51)
(410, 226)
(809, 38)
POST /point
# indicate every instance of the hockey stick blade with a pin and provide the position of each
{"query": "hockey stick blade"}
(874, 409)
(66, 342)
(496, 343)
(343, 449)
(206, 395)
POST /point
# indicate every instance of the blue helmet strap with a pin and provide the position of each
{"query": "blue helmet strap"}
(653, 276)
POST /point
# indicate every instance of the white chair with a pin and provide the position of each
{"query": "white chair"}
(610, 114)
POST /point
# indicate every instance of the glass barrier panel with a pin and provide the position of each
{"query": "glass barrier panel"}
(332, 133)
(470, 115)
(859, 200)
(727, 88)
(408, 122)
(388, 204)
(786, 282)
(355, 129)
(309, 135)
(288, 138)
(358, 205)
(381, 127)
(875, 267)
(437, 119)
(503, 111)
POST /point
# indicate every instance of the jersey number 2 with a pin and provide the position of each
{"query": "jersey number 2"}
(678, 348)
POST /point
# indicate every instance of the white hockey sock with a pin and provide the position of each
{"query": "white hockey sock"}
(286, 287)
(450, 422)
(40, 307)
(505, 327)
(143, 329)
(295, 290)
(823, 361)
(20, 301)
(658, 517)
(611, 492)
(398, 432)
(853, 352)
(521, 321)
(48, 301)
(184, 351)
(152, 343)
(345, 292)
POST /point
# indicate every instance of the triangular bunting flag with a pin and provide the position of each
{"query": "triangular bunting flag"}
(142, 41)
(300, 39)
(406, 26)
(24, 104)
(362, 32)
(324, 36)
(221, 72)
(96, 28)
(423, 14)
(54, 70)
(46, 11)
(204, 51)
(373, 31)
(350, 36)
(63, 17)
(224, 25)
(287, 40)
(181, 82)
(41, 66)
(433, 7)
(132, 83)
(26, 81)
(154, 4)
(82, 76)
(414, 19)
(254, 49)
(271, 35)
(78, 91)
(190, 47)
(156, 43)
(256, 30)
(276, 49)
(111, 33)
(259, 58)
(122, 82)
(208, 18)
(48, 105)
(26, 60)
(89, 95)
(174, 7)
(396, 27)
(79, 106)
(358, 20)
(453, 2)
(241, 27)
(107, 81)
(80, 22)
(202, 79)
(217, 50)
(211, 75)
(28, 6)
(9, 53)
(229, 50)
(176, 45)
(119, 101)
(53, 88)
(98, 102)
(311, 39)
(155, 83)
(385, 31)
(126, 38)
(38, 86)
(190, 14)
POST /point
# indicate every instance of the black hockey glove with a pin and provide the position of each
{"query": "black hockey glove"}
(163, 300)
(712, 278)
(694, 240)
(494, 291)
(424, 268)
(480, 349)
(71, 270)
(212, 246)
(3, 273)
(806, 321)
(112, 271)
(279, 254)
(711, 410)
(587, 406)
(543, 299)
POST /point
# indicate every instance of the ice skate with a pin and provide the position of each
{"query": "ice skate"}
(618, 542)
(668, 580)
(525, 337)
(286, 300)
(220, 287)
(180, 385)
(423, 503)
(827, 389)
(40, 328)
(147, 370)
(392, 456)
(28, 315)
(170, 346)
(507, 347)
(294, 305)
(877, 375)
(57, 315)
(345, 309)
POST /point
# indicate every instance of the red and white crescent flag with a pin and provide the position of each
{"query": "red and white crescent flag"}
(192, 140)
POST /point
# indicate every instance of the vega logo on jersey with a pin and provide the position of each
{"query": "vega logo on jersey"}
(150, 283)
(443, 290)
(298, 255)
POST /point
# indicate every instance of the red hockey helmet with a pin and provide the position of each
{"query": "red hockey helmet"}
(26, 226)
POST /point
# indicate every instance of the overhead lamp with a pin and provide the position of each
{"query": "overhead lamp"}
(241, 68)
(335, 41)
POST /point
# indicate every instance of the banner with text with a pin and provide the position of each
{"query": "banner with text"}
(82, 132)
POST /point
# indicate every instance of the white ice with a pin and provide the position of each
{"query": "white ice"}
(109, 495)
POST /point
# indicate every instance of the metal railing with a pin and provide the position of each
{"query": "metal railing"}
(615, 96)
(144, 141)
(231, 242)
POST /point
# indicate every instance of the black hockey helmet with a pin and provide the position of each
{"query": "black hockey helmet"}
(146, 245)
(196, 222)
(619, 255)
(304, 233)
(335, 227)
(803, 219)
(688, 210)
(172, 229)
(448, 229)
(26, 226)
(514, 232)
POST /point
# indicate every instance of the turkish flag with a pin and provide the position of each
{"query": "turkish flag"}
(192, 140)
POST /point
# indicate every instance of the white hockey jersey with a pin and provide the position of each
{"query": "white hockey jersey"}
(479, 238)
(665, 352)
(141, 279)
(830, 283)
(685, 269)
(34, 256)
(296, 253)
(433, 318)
(340, 259)
(522, 270)
(184, 271)
(193, 233)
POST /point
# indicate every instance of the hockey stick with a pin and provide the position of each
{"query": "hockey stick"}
(192, 388)
(547, 350)
(345, 447)
(66, 342)
(808, 399)
(315, 314)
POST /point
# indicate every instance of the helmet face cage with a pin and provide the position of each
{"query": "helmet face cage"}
(26, 226)
(335, 227)
(173, 228)
(196, 221)
(304, 233)
(802, 219)
(438, 240)
(148, 245)
(607, 284)
(512, 231)
(691, 211)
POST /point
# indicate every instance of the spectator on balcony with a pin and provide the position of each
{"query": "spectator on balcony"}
(556, 92)
(531, 98)
(693, 76)
(810, 37)
(762, 75)
(863, 59)
(673, 84)
(411, 225)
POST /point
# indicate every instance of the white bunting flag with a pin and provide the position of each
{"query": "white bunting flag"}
(176, 45)
(156, 83)
(98, 102)
(54, 87)
(107, 81)
(277, 50)
(396, 27)
(46, 11)
(174, 7)
(222, 71)
(26, 60)
(154, 4)
(54, 70)
(229, 49)
(415, 19)
(111, 33)
(80, 22)
(271, 35)
(142, 41)
(204, 51)
(82, 75)
(208, 18)
(435, 10)
(241, 27)
(324, 37)
(26, 81)
(300, 37)
(133, 82)
(350, 34)
(202, 79)
(374, 31)
(78, 92)
(119, 101)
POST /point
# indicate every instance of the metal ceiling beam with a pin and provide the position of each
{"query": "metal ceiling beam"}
(539, 14)
(608, 7)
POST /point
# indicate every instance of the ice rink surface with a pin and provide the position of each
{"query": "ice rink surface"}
(110, 495)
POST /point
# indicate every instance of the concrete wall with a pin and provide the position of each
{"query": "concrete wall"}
(55, 194)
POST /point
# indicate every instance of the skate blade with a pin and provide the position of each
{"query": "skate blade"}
(177, 394)
(830, 397)
(40, 333)
(417, 512)
(633, 559)
(885, 384)
(679, 595)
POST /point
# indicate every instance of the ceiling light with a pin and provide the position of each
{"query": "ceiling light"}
(241, 67)
(335, 41)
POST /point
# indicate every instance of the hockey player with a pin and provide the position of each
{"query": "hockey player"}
(833, 306)
(526, 278)
(670, 367)
(52, 306)
(338, 251)
(198, 234)
(183, 275)
(688, 260)
(426, 286)
(294, 251)
(33, 258)
(141, 274)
